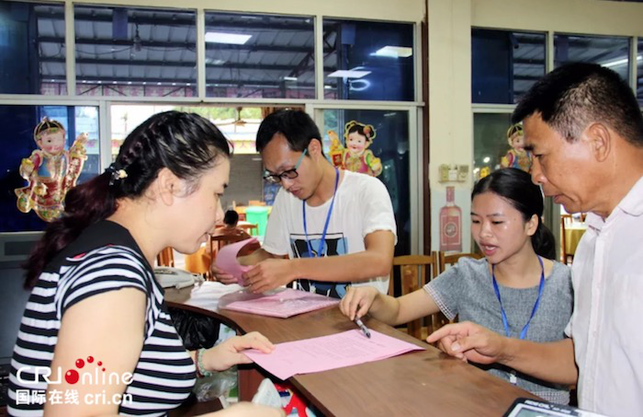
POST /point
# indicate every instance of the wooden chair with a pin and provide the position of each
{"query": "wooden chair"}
(570, 232)
(564, 220)
(199, 262)
(250, 228)
(453, 258)
(413, 274)
(219, 241)
(165, 257)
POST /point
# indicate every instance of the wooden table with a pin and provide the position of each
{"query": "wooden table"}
(419, 383)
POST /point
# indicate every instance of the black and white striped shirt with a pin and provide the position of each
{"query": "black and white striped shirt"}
(104, 258)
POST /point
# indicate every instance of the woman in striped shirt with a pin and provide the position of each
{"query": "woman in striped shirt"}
(96, 337)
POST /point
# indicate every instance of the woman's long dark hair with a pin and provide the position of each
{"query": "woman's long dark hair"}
(515, 186)
(185, 143)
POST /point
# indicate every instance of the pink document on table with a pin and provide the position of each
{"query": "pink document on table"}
(227, 259)
(283, 304)
(329, 352)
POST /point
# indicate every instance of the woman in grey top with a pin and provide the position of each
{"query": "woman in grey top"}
(516, 290)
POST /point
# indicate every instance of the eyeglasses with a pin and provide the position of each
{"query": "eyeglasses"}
(290, 174)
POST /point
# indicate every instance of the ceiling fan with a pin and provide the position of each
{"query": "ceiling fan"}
(238, 121)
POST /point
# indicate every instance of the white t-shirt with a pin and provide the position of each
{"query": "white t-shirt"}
(362, 206)
(607, 275)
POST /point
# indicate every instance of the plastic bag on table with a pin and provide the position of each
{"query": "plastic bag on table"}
(196, 330)
(215, 386)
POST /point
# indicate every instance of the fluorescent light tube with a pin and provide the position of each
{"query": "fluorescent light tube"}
(229, 38)
(395, 52)
(349, 74)
(621, 61)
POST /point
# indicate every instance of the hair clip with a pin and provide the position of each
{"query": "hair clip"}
(117, 173)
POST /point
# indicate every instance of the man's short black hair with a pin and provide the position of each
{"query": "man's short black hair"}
(571, 97)
(231, 218)
(297, 126)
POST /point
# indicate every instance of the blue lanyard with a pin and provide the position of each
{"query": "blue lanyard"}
(330, 210)
(523, 333)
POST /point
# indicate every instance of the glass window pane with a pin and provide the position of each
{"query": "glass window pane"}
(18, 143)
(390, 144)
(135, 52)
(368, 60)
(611, 52)
(504, 65)
(32, 48)
(490, 143)
(238, 124)
(126, 117)
(259, 56)
(639, 72)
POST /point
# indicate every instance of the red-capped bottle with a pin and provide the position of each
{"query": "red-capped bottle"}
(451, 224)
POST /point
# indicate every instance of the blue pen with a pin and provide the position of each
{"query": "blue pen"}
(364, 329)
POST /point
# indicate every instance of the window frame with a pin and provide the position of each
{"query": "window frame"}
(386, 12)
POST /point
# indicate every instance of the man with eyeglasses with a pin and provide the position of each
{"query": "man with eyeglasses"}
(336, 226)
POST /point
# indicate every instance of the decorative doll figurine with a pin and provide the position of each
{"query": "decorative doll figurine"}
(336, 150)
(50, 171)
(517, 156)
(357, 157)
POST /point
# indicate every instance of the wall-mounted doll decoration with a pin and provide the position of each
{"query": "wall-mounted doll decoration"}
(357, 158)
(336, 151)
(50, 171)
(484, 171)
(517, 156)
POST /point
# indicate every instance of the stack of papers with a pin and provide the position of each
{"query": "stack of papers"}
(328, 352)
(283, 304)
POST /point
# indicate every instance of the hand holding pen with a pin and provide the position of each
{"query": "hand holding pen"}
(363, 328)
(357, 301)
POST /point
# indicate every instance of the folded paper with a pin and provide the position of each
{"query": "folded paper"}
(227, 259)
